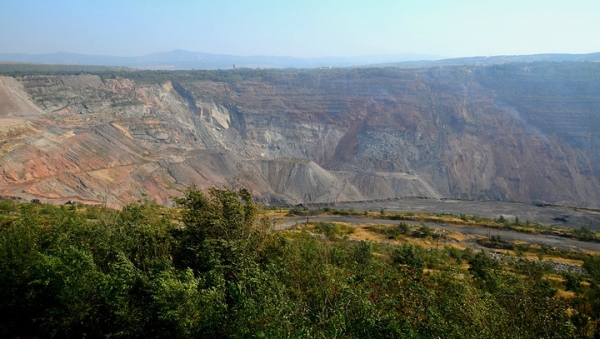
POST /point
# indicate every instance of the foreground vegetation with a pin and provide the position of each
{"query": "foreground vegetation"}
(214, 269)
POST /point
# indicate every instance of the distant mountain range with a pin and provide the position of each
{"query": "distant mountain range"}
(491, 60)
(185, 60)
(179, 59)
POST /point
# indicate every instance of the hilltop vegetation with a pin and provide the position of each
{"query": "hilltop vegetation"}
(212, 268)
(19, 69)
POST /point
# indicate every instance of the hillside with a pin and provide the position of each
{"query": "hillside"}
(522, 132)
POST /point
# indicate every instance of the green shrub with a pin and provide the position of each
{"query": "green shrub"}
(409, 255)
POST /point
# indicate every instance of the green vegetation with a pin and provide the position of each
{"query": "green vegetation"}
(127, 103)
(296, 77)
(19, 69)
(403, 229)
(213, 268)
(333, 230)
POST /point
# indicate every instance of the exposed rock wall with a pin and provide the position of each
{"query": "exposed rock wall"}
(520, 132)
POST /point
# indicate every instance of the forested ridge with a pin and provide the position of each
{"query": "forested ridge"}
(214, 268)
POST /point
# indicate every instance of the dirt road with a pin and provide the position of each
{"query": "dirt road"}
(507, 235)
(550, 215)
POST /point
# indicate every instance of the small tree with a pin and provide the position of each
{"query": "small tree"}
(363, 253)
(221, 228)
(592, 265)
(223, 214)
(483, 265)
(409, 255)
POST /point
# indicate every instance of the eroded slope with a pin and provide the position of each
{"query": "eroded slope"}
(307, 136)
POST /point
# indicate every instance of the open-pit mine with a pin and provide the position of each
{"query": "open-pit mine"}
(518, 132)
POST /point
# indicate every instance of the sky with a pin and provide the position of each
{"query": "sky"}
(307, 28)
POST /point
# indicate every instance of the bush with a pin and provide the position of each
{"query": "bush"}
(333, 230)
(454, 252)
(395, 231)
(423, 231)
(409, 255)
(585, 234)
(572, 281)
(592, 265)
(483, 265)
(8, 206)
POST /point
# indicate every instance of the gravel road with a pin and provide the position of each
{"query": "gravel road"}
(507, 235)
(550, 215)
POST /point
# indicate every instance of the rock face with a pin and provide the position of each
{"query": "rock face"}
(523, 132)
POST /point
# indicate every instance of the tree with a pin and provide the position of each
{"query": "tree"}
(483, 265)
(592, 265)
(409, 255)
(221, 230)
(223, 214)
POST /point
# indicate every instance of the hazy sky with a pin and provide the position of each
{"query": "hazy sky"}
(306, 28)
